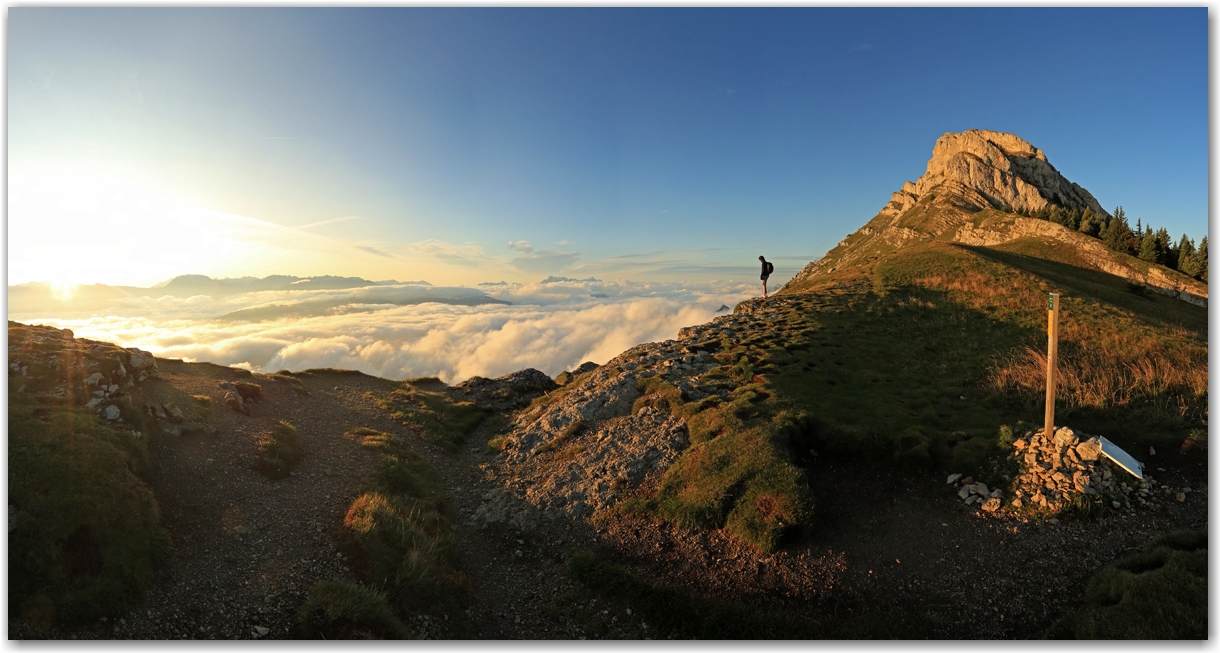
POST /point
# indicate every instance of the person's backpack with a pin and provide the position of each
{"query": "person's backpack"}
(770, 268)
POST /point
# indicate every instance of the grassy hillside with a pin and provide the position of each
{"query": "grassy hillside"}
(920, 359)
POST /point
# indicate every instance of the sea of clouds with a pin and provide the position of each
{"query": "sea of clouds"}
(552, 326)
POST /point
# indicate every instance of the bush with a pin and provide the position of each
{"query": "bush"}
(280, 451)
(1159, 593)
(338, 610)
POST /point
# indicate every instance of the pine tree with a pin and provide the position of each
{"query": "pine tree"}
(1117, 235)
(1090, 223)
(1186, 256)
(1148, 249)
(1168, 256)
(1201, 260)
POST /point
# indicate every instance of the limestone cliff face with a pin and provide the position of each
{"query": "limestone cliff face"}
(993, 169)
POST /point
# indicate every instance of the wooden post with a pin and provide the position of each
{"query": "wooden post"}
(1052, 356)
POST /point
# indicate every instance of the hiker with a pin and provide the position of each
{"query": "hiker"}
(767, 269)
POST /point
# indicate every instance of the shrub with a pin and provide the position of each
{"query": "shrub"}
(339, 610)
(280, 451)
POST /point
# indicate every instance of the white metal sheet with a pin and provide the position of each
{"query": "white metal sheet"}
(1124, 459)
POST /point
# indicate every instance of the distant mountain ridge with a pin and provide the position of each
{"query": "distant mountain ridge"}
(34, 298)
(187, 285)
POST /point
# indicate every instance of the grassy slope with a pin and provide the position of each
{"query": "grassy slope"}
(84, 533)
(920, 359)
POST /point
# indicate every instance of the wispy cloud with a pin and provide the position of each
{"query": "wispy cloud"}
(466, 255)
(370, 250)
(542, 261)
(319, 223)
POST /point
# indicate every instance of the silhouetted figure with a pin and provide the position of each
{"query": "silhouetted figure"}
(767, 269)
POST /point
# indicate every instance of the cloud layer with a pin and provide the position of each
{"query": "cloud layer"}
(551, 327)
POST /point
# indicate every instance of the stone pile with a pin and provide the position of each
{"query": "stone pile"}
(976, 492)
(1057, 471)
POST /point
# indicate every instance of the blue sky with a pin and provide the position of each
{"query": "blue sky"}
(639, 143)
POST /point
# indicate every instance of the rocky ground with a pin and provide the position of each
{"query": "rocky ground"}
(901, 546)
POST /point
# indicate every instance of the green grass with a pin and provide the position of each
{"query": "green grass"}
(431, 414)
(279, 451)
(400, 524)
(919, 360)
(86, 535)
(339, 610)
(1159, 593)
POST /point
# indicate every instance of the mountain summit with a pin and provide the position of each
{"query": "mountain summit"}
(986, 188)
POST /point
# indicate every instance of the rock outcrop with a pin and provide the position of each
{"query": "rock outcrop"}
(94, 375)
(588, 443)
(993, 169)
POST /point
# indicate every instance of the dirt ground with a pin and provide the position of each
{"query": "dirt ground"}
(886, 542)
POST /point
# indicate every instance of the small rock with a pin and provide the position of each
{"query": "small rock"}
(261, 630)
(112, 412)
(173, 411)
(1089, 449)
(969, 480)
(991, 505)
(953, 478)
(1151, 451)
(1181, 497)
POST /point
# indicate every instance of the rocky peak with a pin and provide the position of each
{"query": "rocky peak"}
(992, 169)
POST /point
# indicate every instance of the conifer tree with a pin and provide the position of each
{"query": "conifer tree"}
(1168, 254)
(1186, 256)
(1148, 247)
(1201, 260)
(1117, 235)
(1090, 223)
